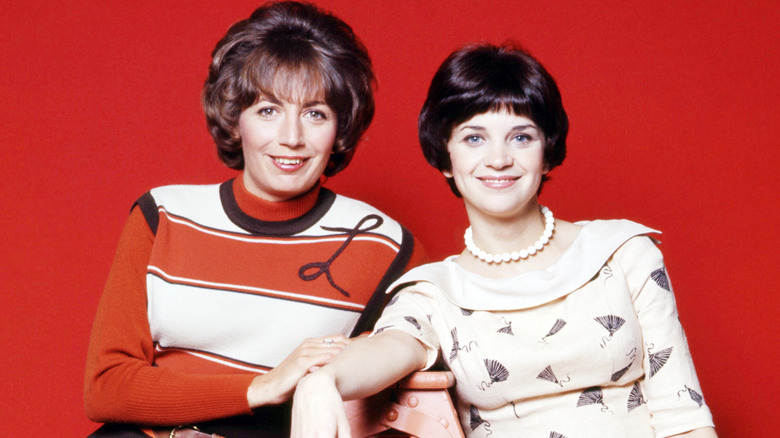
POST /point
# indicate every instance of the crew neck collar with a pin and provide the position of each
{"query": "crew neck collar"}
(283, 218)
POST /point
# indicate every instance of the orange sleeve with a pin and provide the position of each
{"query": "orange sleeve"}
(121, 383)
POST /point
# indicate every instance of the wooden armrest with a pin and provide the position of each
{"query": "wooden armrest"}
(418, 405)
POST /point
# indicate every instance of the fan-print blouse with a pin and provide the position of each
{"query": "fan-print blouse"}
(590, 347)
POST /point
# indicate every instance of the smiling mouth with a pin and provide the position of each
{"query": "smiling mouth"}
(499, 180)
(288, 161)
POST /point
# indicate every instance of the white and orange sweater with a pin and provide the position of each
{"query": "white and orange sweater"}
(212, 286)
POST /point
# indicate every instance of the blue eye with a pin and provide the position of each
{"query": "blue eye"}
(522, 138)
(472, 139)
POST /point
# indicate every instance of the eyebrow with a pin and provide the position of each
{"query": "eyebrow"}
(275, 100)
(514, 128)
(315, 103)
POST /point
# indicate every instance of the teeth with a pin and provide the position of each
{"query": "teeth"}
(496, 181)
(289, 161)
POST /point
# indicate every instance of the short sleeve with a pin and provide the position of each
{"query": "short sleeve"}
(411, 311)
(670, 386)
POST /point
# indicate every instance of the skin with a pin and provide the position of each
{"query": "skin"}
(278, 385)
(286, 147)
(497, 165)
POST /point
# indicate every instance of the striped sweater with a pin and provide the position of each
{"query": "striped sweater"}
(227, 295)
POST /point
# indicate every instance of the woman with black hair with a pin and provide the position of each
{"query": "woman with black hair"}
(551, 328)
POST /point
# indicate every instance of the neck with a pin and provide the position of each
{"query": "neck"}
(499, 234)
(273, 211)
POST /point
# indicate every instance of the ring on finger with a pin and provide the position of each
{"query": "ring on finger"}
(328, 342)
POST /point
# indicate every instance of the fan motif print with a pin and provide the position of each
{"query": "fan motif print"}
(606, 272)
(466, 312)
(456, 345)
(476, 420)
(392, 301)
(559, 323)
(507, 329)
(658, 360)
(619, 373)
(549, 375)
(635, 399)
(695, 396)
(557, 435)
(661, 279)
(413, 321)
(593, 396)
(612, 323)
(496, 371)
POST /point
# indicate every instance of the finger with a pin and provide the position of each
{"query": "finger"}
(317, 360)
(335, 341)
(339, 338)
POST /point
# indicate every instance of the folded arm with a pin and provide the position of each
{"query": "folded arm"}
(364, 368)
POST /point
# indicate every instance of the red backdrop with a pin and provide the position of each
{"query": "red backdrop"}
(674, 117)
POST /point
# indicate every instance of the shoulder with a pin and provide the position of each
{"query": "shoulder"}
(438, 273)
(357, 207)
(359, 215)
(181, 199)
(182, 194)
(620, 239)
(639, 252)
(622, 228)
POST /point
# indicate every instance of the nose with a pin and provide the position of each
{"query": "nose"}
(290, 131)
(498, 157)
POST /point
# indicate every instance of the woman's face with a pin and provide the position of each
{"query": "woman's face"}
(286, 146)
(497, 163)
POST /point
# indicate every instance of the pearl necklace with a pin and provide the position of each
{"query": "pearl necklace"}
(549, 226)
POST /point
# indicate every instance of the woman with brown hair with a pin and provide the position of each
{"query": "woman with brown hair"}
(221, 297)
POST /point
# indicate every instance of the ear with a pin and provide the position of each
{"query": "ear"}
(446, 173)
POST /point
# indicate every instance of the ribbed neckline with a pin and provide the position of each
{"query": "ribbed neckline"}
(273, 211)
(261, 217)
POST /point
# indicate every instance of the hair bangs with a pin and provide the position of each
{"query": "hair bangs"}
(462, 107)
(293, 80)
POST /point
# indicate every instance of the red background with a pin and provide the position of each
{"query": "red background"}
(674, 117)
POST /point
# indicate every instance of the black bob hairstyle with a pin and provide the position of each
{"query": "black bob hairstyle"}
(290, 51)
(480, 78)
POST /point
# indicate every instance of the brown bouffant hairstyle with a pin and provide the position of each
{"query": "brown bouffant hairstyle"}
(480, 78)
(290, 51)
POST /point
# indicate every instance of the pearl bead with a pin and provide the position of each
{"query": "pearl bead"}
(487, 257)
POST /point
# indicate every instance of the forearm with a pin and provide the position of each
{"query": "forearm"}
(368, 365)
(154, 396)
(365, 367)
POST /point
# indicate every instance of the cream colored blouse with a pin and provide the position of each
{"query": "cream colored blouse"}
(590, 347)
